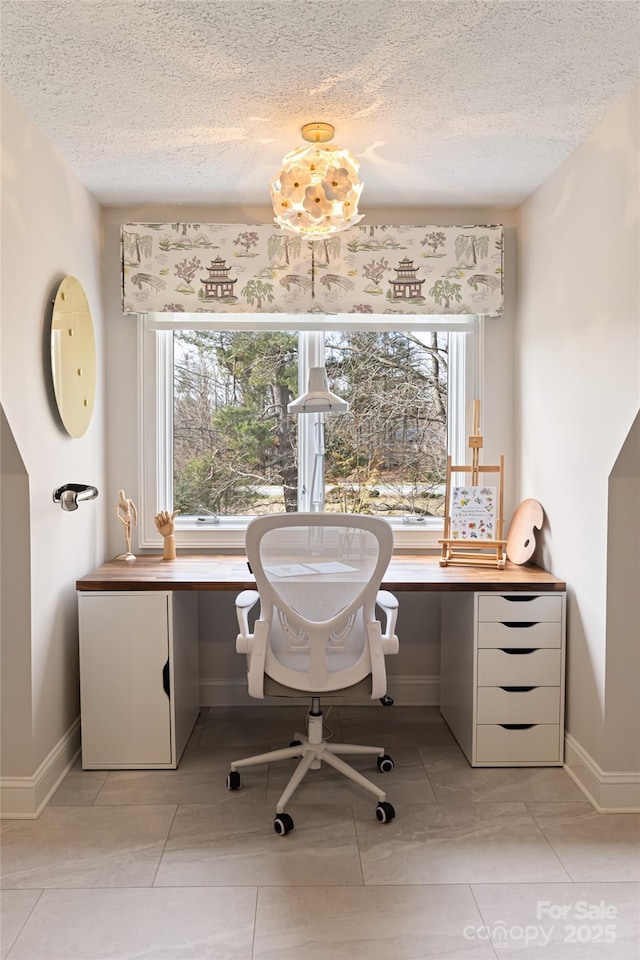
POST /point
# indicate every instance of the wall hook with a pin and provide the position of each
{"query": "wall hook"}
(69, 494)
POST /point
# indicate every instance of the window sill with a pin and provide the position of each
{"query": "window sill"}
(230, 535)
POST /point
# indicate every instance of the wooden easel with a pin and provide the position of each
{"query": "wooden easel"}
(472, 551)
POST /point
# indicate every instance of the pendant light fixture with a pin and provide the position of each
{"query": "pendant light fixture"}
(318, 188)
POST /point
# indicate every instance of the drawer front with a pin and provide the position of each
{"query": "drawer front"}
(520, 634)
(539, 743)
(519, 607)
(518, 705)
(535, 668)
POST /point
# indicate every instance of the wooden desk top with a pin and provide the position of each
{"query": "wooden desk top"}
(226, 572)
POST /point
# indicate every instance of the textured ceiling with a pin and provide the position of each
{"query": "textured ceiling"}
(443, 102)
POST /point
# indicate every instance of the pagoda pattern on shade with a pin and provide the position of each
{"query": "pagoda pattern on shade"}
(217, 285)
(237, 268)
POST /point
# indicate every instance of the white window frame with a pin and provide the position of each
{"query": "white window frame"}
(155, 412)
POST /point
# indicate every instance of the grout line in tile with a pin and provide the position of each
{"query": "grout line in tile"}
(255, 923)
(26, 919)
(357, 838)
(164, 847)
(482, 917)
(548, 842)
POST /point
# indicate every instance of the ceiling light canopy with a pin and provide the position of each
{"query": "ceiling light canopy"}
(318, 188)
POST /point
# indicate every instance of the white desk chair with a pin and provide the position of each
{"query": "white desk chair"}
(318, 577)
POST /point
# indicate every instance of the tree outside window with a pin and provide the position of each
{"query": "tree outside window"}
(235, 445)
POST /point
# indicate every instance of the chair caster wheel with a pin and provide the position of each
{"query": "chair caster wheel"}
(385, 764)
(386, 701)
(385, 812)
(283, 824)
(296, 743)
(233, 780)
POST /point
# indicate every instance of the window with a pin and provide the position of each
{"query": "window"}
(220, 447)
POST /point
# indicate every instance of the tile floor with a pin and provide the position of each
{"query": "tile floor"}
(168, 865)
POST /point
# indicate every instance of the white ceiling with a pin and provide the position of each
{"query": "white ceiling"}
(444, 102)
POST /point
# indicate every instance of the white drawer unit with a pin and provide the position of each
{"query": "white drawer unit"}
(502, 676)
(139, 689)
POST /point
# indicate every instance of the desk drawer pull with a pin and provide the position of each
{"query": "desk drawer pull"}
(166, 681)
(517, 689)
(517, 650)
(519, 624)
(517, 726)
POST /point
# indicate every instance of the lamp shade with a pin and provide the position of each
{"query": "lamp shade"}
(318, 398)
(318, 189)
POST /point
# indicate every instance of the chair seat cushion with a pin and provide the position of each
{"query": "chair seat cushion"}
(362, 689)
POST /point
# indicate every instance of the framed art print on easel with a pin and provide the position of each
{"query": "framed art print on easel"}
(473, 519)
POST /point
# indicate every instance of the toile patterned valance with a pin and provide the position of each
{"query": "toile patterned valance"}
(236, 268)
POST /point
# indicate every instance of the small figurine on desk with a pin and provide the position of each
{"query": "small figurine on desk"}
(164, 526)
(128, 516)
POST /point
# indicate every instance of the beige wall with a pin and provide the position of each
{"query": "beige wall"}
(622, 680)
(577, 367)
(50, 228)
(15, 610)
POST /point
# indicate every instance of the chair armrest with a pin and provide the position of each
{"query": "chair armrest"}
(388, 603)
(376, 654)
(245, 601)
(256, 660)
(253, 644)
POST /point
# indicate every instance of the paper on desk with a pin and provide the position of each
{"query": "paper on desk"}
(330, 566)
(308, 569)
(290, 570)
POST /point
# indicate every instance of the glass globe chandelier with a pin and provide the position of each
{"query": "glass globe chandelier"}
(318, 188)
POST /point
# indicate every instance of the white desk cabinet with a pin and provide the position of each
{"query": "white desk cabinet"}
(138, 678)
(502, 676)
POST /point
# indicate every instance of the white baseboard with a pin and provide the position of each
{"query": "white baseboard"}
(23, 798)
(608, 792)
(414, 691)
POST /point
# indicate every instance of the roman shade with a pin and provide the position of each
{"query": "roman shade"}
(238, 268)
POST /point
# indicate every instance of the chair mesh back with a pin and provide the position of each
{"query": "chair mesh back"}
(317, 572)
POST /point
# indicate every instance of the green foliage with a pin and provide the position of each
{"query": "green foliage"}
(394, 436)
(202, 485)
(235, 446)
(235, 386)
